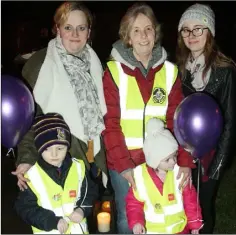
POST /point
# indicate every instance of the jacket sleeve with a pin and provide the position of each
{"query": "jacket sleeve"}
(89, 193)
(114, 140)
(134, 210)
(26, 150)
(192, 207)
(228, 105)
(28, 209)
(174, 99)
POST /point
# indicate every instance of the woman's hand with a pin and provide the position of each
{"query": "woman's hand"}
(186, 171)
(129, 176)
(138, 229)
(20, 171)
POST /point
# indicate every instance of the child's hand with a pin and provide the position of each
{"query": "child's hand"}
(77, 215)
(195, 231)
(62, 226)
(138, 229)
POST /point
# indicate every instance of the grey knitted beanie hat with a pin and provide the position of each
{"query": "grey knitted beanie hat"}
(200, 12)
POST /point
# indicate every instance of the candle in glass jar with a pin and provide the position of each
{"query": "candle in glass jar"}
(104, 219)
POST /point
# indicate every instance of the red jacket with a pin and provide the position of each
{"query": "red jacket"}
(119, 158)
(135, 212)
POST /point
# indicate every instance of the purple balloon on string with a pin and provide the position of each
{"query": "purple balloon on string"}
(198, 124)
(17, 110)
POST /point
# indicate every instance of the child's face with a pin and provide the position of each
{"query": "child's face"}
(168, 163)
(55, 154)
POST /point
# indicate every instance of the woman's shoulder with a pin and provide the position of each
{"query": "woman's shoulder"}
(225, 72)
(32, 67)
(37, 58)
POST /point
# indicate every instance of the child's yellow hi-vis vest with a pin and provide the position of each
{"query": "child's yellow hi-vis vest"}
(53, 197)
(164, 214)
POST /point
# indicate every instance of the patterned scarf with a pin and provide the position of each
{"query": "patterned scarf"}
(78, 70)
(196, 67)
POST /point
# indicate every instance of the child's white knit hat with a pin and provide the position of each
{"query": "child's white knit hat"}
(159, 143)
(203, 13)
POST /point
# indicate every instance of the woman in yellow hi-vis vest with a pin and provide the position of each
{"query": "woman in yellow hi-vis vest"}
(60, 194)
(158, 206)
(139, 83)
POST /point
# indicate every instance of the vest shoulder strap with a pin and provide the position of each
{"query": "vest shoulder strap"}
(115, 70)
(172, 67)
(140, 193)
(37, 186)
(80, 167)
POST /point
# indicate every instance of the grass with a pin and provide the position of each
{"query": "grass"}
(226, 203)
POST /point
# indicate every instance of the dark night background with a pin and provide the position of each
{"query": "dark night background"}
(32, 16)
(22, 22)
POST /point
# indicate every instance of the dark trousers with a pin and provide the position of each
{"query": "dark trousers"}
(207, 197)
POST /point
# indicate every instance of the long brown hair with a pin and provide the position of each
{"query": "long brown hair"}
(213, 56)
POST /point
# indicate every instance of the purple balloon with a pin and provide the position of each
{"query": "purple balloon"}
(17, 110)
(198, 124)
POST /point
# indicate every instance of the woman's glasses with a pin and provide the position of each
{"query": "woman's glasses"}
(197, 32)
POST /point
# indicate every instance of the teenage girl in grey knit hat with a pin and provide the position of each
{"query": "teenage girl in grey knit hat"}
(205, 69)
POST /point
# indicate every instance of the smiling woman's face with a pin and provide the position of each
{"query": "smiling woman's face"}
(142, 36)
(195, 44)
(74, 32)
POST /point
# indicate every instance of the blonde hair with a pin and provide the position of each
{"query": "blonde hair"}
(63, 11)
(213, 56)
(131, 15)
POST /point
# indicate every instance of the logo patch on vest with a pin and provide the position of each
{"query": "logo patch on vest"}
(72, 193)
(57, 197)
(171, 197)
(158, 206)
(159, 95)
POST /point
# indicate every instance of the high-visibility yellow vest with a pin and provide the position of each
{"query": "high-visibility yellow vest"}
(53, 197)
(134, 113)
(164, 213)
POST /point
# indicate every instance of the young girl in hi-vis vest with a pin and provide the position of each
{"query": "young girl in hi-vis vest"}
(157, 205)
(60, 193)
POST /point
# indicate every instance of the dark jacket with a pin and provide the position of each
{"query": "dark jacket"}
(222, 87)
(27, 152)
(28, 209)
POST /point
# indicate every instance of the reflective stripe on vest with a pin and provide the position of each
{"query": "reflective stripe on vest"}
(51, 196)
(163, 213)
(134, 113)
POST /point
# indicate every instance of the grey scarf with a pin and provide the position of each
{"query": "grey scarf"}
(85, 89)
(196, 67)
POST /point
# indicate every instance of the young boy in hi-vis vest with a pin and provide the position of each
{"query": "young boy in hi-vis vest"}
(157, 205)
(60, 194)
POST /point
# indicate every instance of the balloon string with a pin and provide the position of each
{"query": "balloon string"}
(198, 186)
(9, 151)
